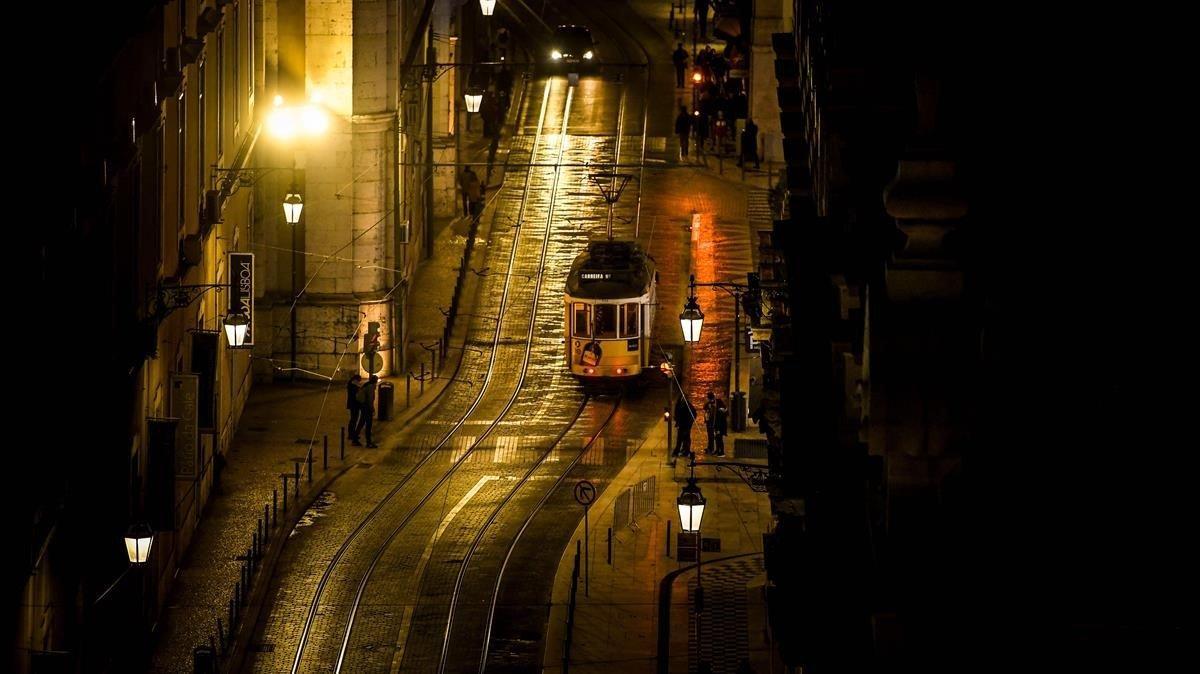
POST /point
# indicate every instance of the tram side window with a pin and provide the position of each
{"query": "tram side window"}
(581, 322)
(606, 321)
(629, 320)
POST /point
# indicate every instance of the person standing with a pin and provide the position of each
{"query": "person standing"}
(721, 427)
(680, 58)
(477, 201)
(366, 402)
(683, 129)
(685, 416)
(701, 9)
(352, 405)
(468, 182)
(710, 421)
(749, 144)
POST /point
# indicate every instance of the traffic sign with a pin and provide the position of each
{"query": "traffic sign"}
(372, 362)
(585, 492)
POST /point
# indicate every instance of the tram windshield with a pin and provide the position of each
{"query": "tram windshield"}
(606, 321)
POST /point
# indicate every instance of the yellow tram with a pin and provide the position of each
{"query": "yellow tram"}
(609, 312)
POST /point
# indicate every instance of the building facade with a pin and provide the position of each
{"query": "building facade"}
(173, 181)
(875, 343)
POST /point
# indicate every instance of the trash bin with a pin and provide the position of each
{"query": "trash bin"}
(204, 660)
(387, 397)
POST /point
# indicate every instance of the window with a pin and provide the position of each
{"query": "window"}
(581, 322)
(629, 320)
(606, 321)
(250, 49)
(201, 123)
(237, 74)
(180, 154)
(220, 102)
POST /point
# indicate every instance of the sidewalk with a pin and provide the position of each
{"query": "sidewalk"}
(275, 431)
(655, 14)
(637, 613)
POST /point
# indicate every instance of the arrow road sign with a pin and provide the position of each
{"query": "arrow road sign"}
(585, 492)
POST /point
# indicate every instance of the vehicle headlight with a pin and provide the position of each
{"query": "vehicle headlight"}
(556, 54)
(588, 54)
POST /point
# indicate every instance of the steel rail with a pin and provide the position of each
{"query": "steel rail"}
(458, 582)
(495, 593)
(321, 585)
(462, 569)
(516, 389)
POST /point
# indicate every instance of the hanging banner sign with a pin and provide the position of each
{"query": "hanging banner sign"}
(241, 290)
(185, 394)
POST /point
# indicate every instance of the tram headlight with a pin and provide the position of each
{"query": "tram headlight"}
(588, 55)
(556, 55)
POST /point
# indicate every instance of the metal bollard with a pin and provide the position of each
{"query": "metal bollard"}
(237, 593)
(296, 477)
(310, 463)
(285, 492)
(407, 390)
(422, 377)
(275, 505)
(260, 537)
(266, 518)
(325, 453)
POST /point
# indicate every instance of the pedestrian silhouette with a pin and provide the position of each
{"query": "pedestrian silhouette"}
(352, 404)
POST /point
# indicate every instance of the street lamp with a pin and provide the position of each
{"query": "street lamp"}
(691, 512)
(473, 98)
(487, 7)
(691, 320)
(287, 121)
(138, 540)
(236, 327)
(691, 507)
(293, 204)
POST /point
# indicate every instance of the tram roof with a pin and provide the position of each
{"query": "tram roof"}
(610, 270)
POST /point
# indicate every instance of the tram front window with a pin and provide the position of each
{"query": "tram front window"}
(581, 323)
(629, 320)
(606, 321)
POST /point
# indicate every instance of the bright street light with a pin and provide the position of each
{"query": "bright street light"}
(691, 507)
(293, 204)
(691, 320)
(473, 97)
(287, 121)
(487, 7)
(138, 540)
(236, 327)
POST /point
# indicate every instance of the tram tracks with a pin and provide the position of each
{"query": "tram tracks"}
(517, 387)
(374, 515)
(494, 593)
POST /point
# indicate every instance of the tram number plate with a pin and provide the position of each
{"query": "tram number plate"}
(632, 344)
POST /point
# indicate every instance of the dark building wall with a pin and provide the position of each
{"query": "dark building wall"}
(110, 227)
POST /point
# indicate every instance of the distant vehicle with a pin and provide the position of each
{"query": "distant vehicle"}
(572, 50)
